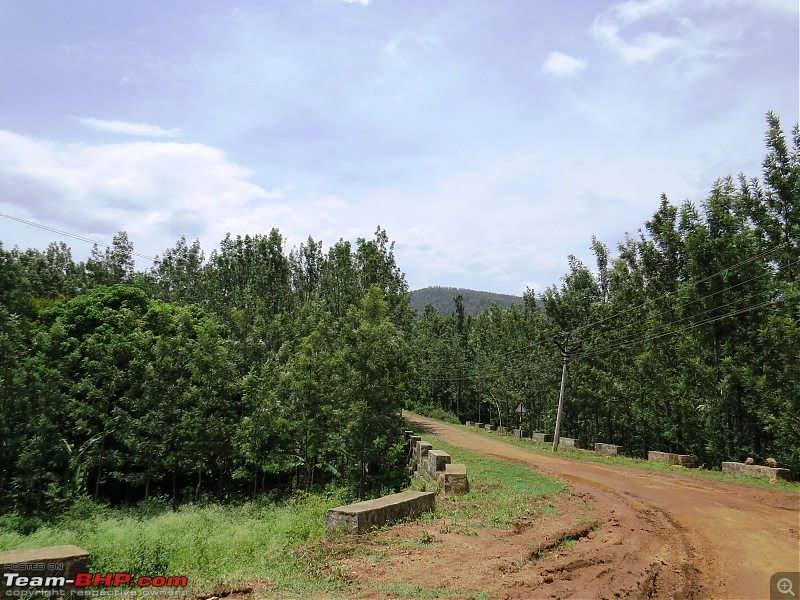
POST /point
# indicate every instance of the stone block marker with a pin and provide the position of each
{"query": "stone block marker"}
(521, 433)
(469, 423)
(503, 430)
(454, 479)
(57, 562)
(479, 425)
(683, 460)
(488, 427)
(756, 470)
(609, 449)
(413, 440)
(571, 443)
(545, 438)
(362, 516)
(437, 461)
(421, 451)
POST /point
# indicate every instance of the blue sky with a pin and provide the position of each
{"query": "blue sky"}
(491, 139)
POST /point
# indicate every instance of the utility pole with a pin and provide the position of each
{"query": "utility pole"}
(458, 395)
(566, 350)
(480, 399)
(499, 416)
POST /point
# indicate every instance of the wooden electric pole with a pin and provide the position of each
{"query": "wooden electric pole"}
(566, 350)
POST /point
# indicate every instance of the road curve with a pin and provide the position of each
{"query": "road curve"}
(686, 536)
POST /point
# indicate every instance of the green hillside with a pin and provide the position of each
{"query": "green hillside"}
(474, 301)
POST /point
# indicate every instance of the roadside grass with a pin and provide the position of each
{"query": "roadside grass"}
(637, 463)
(212, 545)
(501, 493)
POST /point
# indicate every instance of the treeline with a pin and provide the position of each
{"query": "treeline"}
(253, 370)
(689, 335)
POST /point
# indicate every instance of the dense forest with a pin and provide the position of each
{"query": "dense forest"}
(258, 369)
(474, 302)
(251, 371)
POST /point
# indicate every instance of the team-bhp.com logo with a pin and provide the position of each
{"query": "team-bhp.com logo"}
(16, 583)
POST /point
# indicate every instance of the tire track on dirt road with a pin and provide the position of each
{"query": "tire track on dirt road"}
(664, 535)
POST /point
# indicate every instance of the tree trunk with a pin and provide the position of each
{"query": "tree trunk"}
(99, 469)
(361, 472)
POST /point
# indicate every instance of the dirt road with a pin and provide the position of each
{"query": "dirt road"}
(664, 535)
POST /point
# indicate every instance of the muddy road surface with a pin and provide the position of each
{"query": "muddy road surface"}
(663, 536)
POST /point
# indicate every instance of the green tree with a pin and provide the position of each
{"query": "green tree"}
(376, 379)
(179, 275)
(115, 265)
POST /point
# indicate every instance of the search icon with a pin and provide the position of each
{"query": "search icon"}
(785, 587)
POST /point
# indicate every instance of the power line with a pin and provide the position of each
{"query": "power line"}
(490, 371)
(467, 363)
(605, 348)
(72, 235)
(687, 318)
(696, 283)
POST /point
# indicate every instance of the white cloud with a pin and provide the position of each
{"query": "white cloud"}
(156, 191)
(141, 129)
(642, 48)
(563, 65)
(673, 33)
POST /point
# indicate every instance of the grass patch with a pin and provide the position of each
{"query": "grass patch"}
(211, 545)
(379, 557)
(426, 539)
(435, 412)
(638, 463)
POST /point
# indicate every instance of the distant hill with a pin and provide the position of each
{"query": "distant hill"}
(474, 302)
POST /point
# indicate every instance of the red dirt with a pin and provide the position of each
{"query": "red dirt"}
(662, 536)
